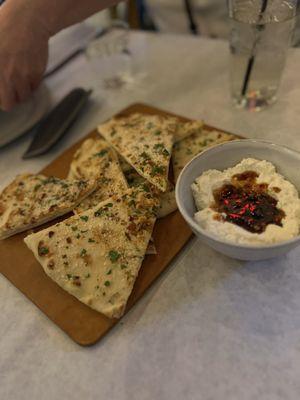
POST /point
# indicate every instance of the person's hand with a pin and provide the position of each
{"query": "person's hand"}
(23, 58)
(25, 29)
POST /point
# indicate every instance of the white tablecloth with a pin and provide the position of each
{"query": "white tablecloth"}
(211, 328)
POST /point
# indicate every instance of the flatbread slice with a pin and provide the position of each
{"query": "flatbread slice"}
(185, 129)
(97, 160)
(96, 256)
(145, 141)
(31, 200)
(186, 149)
(167, 199)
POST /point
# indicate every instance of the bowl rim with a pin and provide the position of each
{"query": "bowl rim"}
(190, 220)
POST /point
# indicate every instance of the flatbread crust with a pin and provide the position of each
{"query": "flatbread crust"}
(188, 148)
(31, 200)
(95, 159)
(96, 256)
(145, 142)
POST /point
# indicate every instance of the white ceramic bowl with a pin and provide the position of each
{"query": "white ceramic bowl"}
(227, 155)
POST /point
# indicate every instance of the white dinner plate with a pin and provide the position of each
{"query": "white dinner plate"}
(16, 122)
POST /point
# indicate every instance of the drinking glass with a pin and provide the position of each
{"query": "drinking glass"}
(110, 57)
(261, 32)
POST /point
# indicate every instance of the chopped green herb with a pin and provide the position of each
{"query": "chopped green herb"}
(165, 152)
(101, 153)
(158, 146)
(87, 275)
(37, 187)
(205, 142)
(157, 133)
(131, 203)
(69, 276)
(84, 218)
(91, 240)
(144, 154)
(108, 272)
(105, 180)
(146, 188)
(157, 169)
(74, 228)
(43, 251)
(114, 256)
(99, 212)
(83, 253)
(109, 204)
(149, 125)
(78, 236)
(107, 283)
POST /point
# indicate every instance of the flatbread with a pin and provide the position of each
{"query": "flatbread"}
(145, 141)
(180, 129)
(188, 148)
(167, 199)
(185, 129)
(167, 202)
(95, 159)
(31, 200)
(96, 256)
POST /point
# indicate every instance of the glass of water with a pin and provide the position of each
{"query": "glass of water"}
(261, 32)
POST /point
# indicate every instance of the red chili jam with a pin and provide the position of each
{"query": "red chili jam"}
(247, 204)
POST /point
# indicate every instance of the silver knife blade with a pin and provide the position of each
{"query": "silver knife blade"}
(52, 127)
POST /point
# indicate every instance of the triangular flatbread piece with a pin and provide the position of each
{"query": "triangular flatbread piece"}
(188, 148)
(96, 255)
(97, 160)
(145, 141)
(31, 200)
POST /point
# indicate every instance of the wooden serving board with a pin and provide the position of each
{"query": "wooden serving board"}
(84, 325)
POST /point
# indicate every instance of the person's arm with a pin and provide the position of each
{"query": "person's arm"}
(25, 29)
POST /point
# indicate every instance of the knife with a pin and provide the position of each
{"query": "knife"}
(52, 127)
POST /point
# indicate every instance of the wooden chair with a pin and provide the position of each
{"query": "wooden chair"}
(133, 14)
(134, 8)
